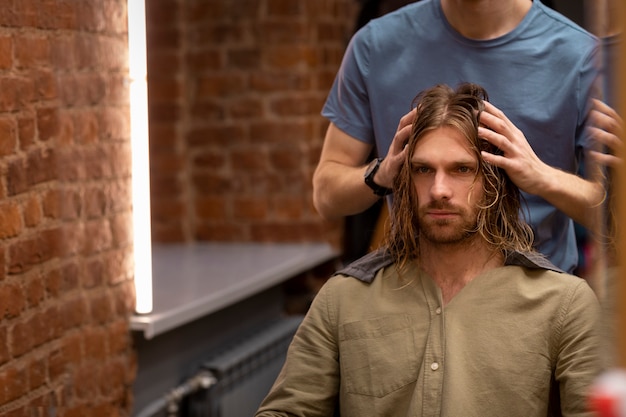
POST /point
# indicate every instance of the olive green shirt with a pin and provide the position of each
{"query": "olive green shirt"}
(515, 341)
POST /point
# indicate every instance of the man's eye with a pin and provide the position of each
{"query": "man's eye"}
(464, 170)
(421, 170)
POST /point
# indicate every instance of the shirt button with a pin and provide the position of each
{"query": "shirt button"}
(434, 366)
(438, 310)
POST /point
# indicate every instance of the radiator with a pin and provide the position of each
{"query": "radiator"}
(244, 371)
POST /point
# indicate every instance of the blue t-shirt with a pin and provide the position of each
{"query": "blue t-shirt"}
(540, 75)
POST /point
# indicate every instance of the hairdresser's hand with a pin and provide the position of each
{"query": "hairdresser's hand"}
(606, 128)
(518, 158)
(390, 167)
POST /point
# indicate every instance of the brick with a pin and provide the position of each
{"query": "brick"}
(250, 208)
(96, 163)
(41, 327)
(284, 31)
(65, 137)
(166, 163)
(34, 290)
(286, 159)
(164, 89)
(10, 220)
(37, 373)
(45, 84)
(211, 208)
(4, 347)
(119, 266)
(271, 81)
(22, 339)
(284, 8)
(163, 138)
(294, 105)
(9, 135)
(26, 131)
(73, 235)
(31, 51)
(165, 186)
(16, 93)
(69, 277)
(61, 204)
(32, 212)
(196, 61)
(246, 108)
(283, 57)
(3, 263)
(288, 208)
(72, 171)
(25, 254)
(216, 135)
(121, 154)
(52, 281)
(166, 38)
(57, 364)
(248, 59)
(41, 166)
(98, 237)
(123, 298)
(119, 195)
(118, 337)
(86, 381)
(164, 112)
(93, 275)
(86, 127)
(213, 184)
(249, 160)
(213, 158)
(167, 209)
(101, 308)
(121, 230)
(73, 312)
(113, 376)
(95, 340)
(296, 131)
(13, 380)
(114, 124)
(220, 85)
(63, 53)
(95, 201)
(6, 52)
(16, 177)
(48, 123)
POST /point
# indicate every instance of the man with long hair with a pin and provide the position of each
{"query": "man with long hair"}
(540, 67)
(455, 315)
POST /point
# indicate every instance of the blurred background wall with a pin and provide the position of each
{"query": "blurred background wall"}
(236, 89)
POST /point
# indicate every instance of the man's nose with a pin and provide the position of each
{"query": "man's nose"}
(440, 188)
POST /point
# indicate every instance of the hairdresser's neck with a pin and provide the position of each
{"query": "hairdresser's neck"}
(485, 19)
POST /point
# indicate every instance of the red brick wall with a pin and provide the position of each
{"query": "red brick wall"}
(236, 88)
(235, 91)
(65, 246)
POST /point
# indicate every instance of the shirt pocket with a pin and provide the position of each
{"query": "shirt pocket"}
(377, 356)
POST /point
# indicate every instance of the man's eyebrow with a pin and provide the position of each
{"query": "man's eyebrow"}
(468, 161)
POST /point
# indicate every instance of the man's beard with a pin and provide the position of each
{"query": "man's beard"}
(459, 230)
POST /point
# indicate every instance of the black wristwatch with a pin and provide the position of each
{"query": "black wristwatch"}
(371, 170)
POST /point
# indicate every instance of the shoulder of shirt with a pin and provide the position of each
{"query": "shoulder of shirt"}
(560, 20)
(366, 268)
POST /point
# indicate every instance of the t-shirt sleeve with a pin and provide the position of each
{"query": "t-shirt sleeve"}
(347, 104)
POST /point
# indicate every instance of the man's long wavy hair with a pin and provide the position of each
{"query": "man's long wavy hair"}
(499, 217)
